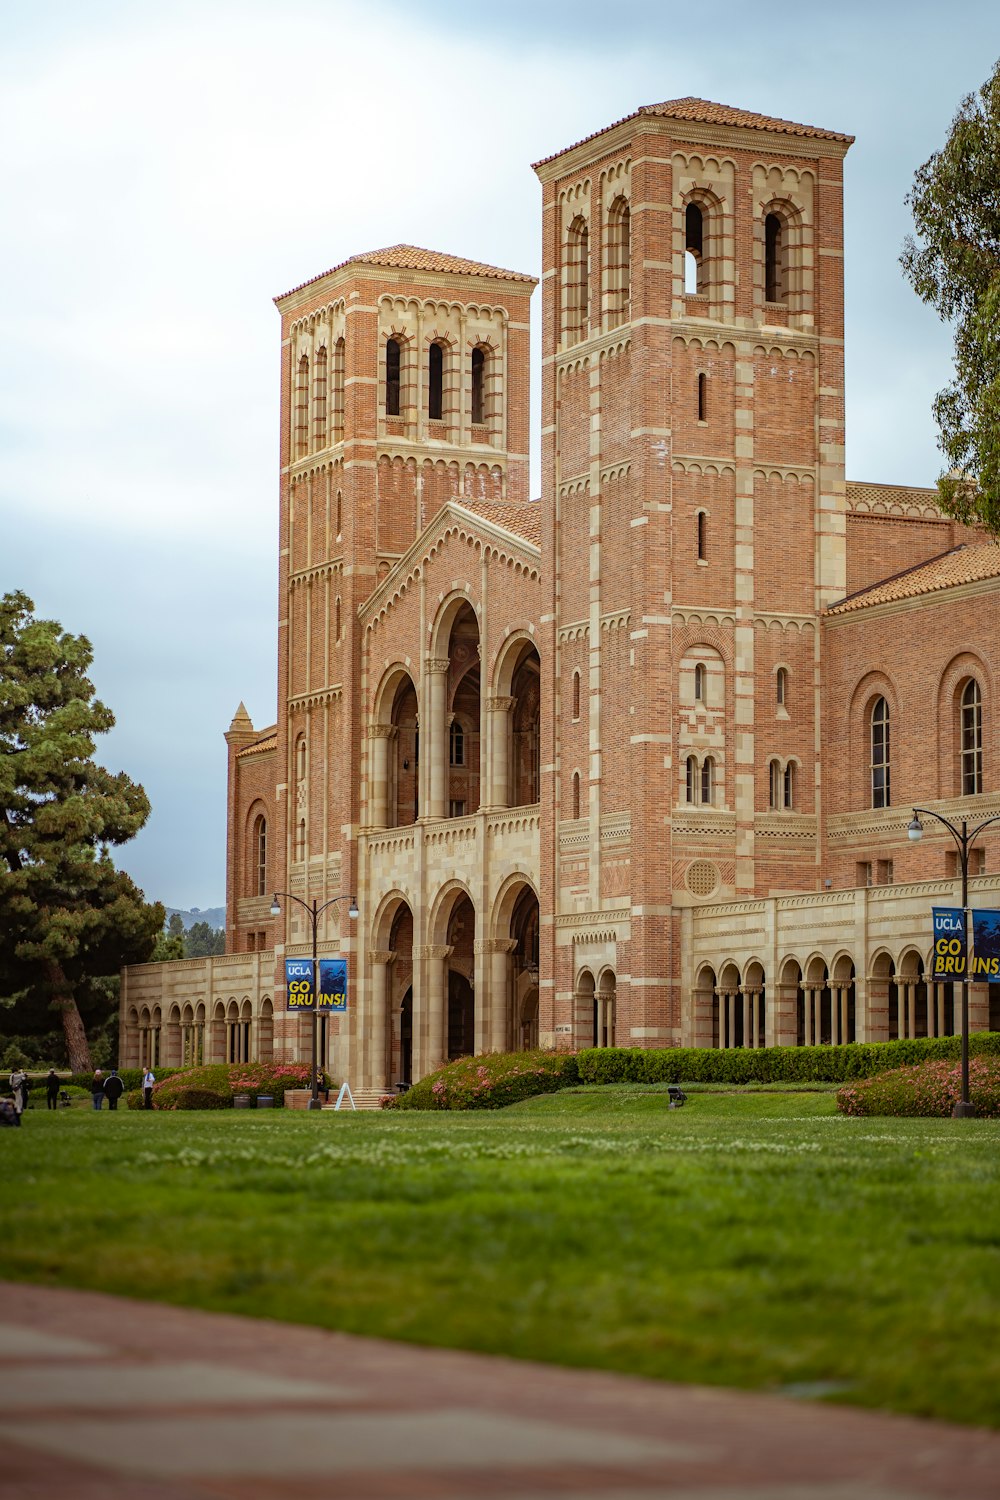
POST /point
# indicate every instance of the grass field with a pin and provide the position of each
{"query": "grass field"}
(749, 1239)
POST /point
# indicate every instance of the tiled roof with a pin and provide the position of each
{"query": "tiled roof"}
(969, 564)
(706, 112)
(269, 741)
(524, 521)
(413, 258)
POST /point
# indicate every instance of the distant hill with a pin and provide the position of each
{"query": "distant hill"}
(215, 916)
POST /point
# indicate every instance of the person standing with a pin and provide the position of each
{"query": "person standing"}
(97, 1088)
(148, 1079)
(113, 1088)
(19, 1088)
(52, 1085)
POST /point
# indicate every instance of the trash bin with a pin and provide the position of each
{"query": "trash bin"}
(242, 1101)
(265, 1101)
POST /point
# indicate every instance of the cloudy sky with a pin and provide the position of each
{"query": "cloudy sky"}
(168, 168)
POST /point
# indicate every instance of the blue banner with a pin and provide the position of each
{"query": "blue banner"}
(332, 985)
(986, 946)
(948, 961)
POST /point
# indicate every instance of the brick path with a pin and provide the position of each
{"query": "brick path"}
(106, 1399)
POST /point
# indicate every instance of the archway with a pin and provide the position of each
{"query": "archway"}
(461, 748)
(586, 1009)
(265, 1034)
(843, 1002)
(604, 1009)
(389, 1021)
(730, 1010)
(461, 1014)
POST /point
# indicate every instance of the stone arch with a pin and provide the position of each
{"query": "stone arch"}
(391, 1016)
(584, 993)
(265, 1031)
(965, 667)
(514, 723)
(867, 691)
(605, 1007)
(514, 957)
(394, 740)
(705, 1008)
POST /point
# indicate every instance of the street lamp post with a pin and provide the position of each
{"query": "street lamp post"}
(314, 912)
(964, 840)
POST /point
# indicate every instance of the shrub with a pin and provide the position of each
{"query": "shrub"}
(130, 1077)
(225, 1080)
(928, 1089)
(492, 1081)
(769, 1064)
(187, 1097)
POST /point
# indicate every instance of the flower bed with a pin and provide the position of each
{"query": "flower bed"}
(491, 1082)
(929, 1089)
(197, 1088)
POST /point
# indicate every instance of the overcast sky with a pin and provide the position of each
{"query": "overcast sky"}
(168, 169)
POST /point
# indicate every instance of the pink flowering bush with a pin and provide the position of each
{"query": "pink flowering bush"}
(492, 1081)
(929, 1089)
(192, 1087)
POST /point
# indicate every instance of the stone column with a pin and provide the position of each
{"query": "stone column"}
(495, 1019)
(807, 996)
(751, 1023)
(902, 1007)
(437, 736)
(747, 1007)
(434, 1006)
(498, 719)
(380, 738)
(379, 960)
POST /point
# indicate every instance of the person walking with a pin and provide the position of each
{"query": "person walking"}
(97, 1088)
(52, 1086)
(113, 1089)
(19, 1088)
(148, 1079)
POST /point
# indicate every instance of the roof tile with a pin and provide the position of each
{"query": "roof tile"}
(523, 519)
(269, 741)
(967, 564)
(413, 258)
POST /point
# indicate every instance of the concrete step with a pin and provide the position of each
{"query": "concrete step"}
(363, 1099)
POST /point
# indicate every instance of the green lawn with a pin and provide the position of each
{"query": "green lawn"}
(749, 1239)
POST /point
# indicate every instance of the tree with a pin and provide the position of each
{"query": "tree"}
(203, 941)
(954, 264)
(67, 915)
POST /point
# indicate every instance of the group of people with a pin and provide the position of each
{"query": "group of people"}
(101, 1088)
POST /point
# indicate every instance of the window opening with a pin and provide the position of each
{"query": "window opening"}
(336, 623)
(694, 240)
(972, 739)
(773, 267)
(691, 779)
(319, 399)
(340, 512)
(338, 389)
(702, 398)
(578, 280)
(781, 686)
(302, 409)
(478, 374)
(789, 798)
(707, 779)
(576, 794)
(260, 852)
(392, 364)
(881, 789)
(701, 558)
(775, 788)
(619, 260)
(435, 383)
(699, 683)
(456, 744)
(576, 695)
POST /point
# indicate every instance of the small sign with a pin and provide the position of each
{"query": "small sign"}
(332, 985)
(563, 1029)
(948, 961)
(986, 946)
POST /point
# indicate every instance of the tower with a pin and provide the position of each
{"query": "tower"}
(693, 489)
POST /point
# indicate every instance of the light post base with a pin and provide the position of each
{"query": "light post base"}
(318, 1104)
(963, 1111)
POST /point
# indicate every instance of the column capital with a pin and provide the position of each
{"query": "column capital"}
(495, 945)
(437, 663)
(381, 956)
(500, 705)
(434, 950)
(382, 731)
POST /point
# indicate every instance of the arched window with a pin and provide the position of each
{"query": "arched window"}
(260, 856)
(319, 399)
(781, 686)
(478, 383)
(302, 409)
(435, 383)
(701, 558)
(702, 397)
(972, 739)
(881, 789)
(708, 780)
(699, 682)
(336, 620)
(456, 744)
(392, 365)
(577, 302)
(300, 758)
(338, 390)
(694, 249)
(340, 512)
(789, 786)
(576, 794)
(300, 840)
(775, 797)
(774, 259)
(576, 695)
(691, 779)
(619, 262)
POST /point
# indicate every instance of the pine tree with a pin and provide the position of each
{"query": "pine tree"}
(67, 916)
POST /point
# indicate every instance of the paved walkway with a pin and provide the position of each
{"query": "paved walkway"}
(106, 1399)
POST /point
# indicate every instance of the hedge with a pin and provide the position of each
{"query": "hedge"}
(219, 1083)
(770, 1064)
(930, 1089)
(490, 1082)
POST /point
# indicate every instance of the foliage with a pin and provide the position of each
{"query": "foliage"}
(757, 1240)
(954, 264)
(203, 941)
(768, 1064)
(225, 1080)
(187, 1097)
(169, 948)
(929, 1089)
(67, 915)
(492, 1081)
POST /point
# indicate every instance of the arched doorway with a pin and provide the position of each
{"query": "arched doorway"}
(388, 1021)
(586, 1009)
(461, 748)
(844, 1021)
(524, 931)
(604, 1009)
(460, 1037)
(404, 755)
(525, 719)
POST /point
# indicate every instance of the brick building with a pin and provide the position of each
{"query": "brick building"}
(632, 763)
